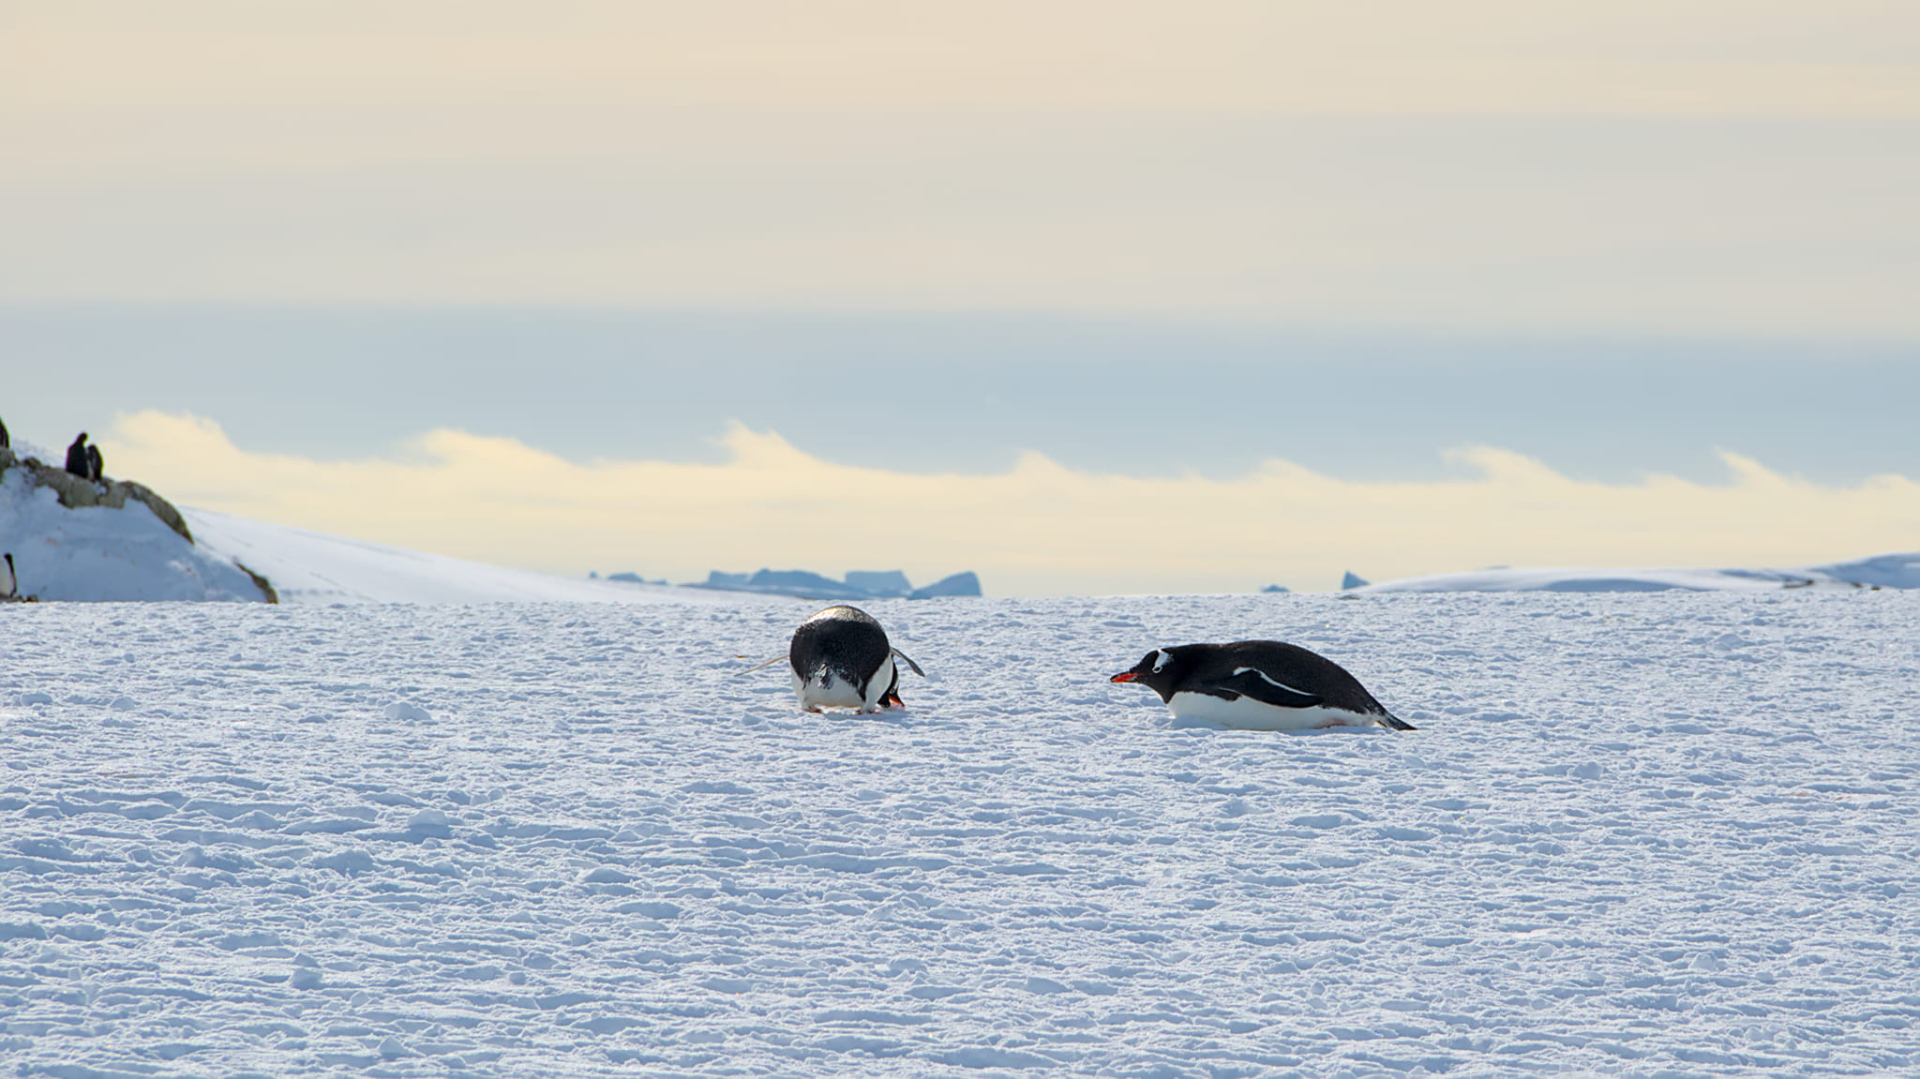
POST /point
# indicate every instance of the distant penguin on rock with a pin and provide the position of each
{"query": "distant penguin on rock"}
(841, 659)
(1259, 686)
(96, 466)
(77, 462)
(6, 440)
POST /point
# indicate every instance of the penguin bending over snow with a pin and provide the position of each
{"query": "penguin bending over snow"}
(841, 659)
(1259, 686)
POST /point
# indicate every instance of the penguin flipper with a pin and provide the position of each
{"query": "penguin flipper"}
(1247, 682)
(1395, 723)
(910, 663)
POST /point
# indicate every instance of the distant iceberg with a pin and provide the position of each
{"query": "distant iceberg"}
(960, 584)
(1880, 571)
(859, 584)
(889, 584)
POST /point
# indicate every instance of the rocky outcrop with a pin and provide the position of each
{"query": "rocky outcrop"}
(76, 492)
(121, 575)
(265, 586)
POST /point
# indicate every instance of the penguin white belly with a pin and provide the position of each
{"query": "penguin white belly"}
(828, 690)
(1247, 714)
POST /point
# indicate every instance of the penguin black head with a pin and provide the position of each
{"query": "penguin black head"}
(1160, 671)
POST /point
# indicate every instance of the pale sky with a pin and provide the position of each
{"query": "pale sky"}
(1482, 257)
(1690, 166)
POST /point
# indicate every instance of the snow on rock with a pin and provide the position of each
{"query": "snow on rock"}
(314, 567)
(1635, 834)
(74, 540)
(1883, 571)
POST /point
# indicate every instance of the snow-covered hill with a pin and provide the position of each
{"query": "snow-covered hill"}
(99, 552)
(314, 567)
(72, 542)
(1882, 571)
(1635, 835)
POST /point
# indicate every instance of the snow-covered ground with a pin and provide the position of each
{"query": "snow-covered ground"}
(1636, 834)
(314, 567)
(1880, 571)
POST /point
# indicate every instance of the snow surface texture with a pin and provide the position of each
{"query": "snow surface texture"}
(95, 553)
(1881, 571)
(1664, 834)
(313, 567)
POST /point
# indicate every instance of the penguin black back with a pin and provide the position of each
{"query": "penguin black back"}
(77, 462)
(841, 658)
(1299, 688)
(837, 654)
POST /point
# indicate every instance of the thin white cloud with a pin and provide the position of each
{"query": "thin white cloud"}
(1747, 58)
(1038, 528)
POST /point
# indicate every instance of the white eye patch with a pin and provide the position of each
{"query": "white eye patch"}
(1162, 657)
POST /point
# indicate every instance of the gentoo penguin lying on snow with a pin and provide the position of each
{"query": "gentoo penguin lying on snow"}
(1259, 686)
(841, 659)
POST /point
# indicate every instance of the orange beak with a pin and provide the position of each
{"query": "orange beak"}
(1125, 676)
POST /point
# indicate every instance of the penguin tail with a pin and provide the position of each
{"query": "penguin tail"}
(1395, 723)
(910, 662)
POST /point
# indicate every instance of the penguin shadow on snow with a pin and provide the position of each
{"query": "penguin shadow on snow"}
(841, 658)
(1258, 686)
